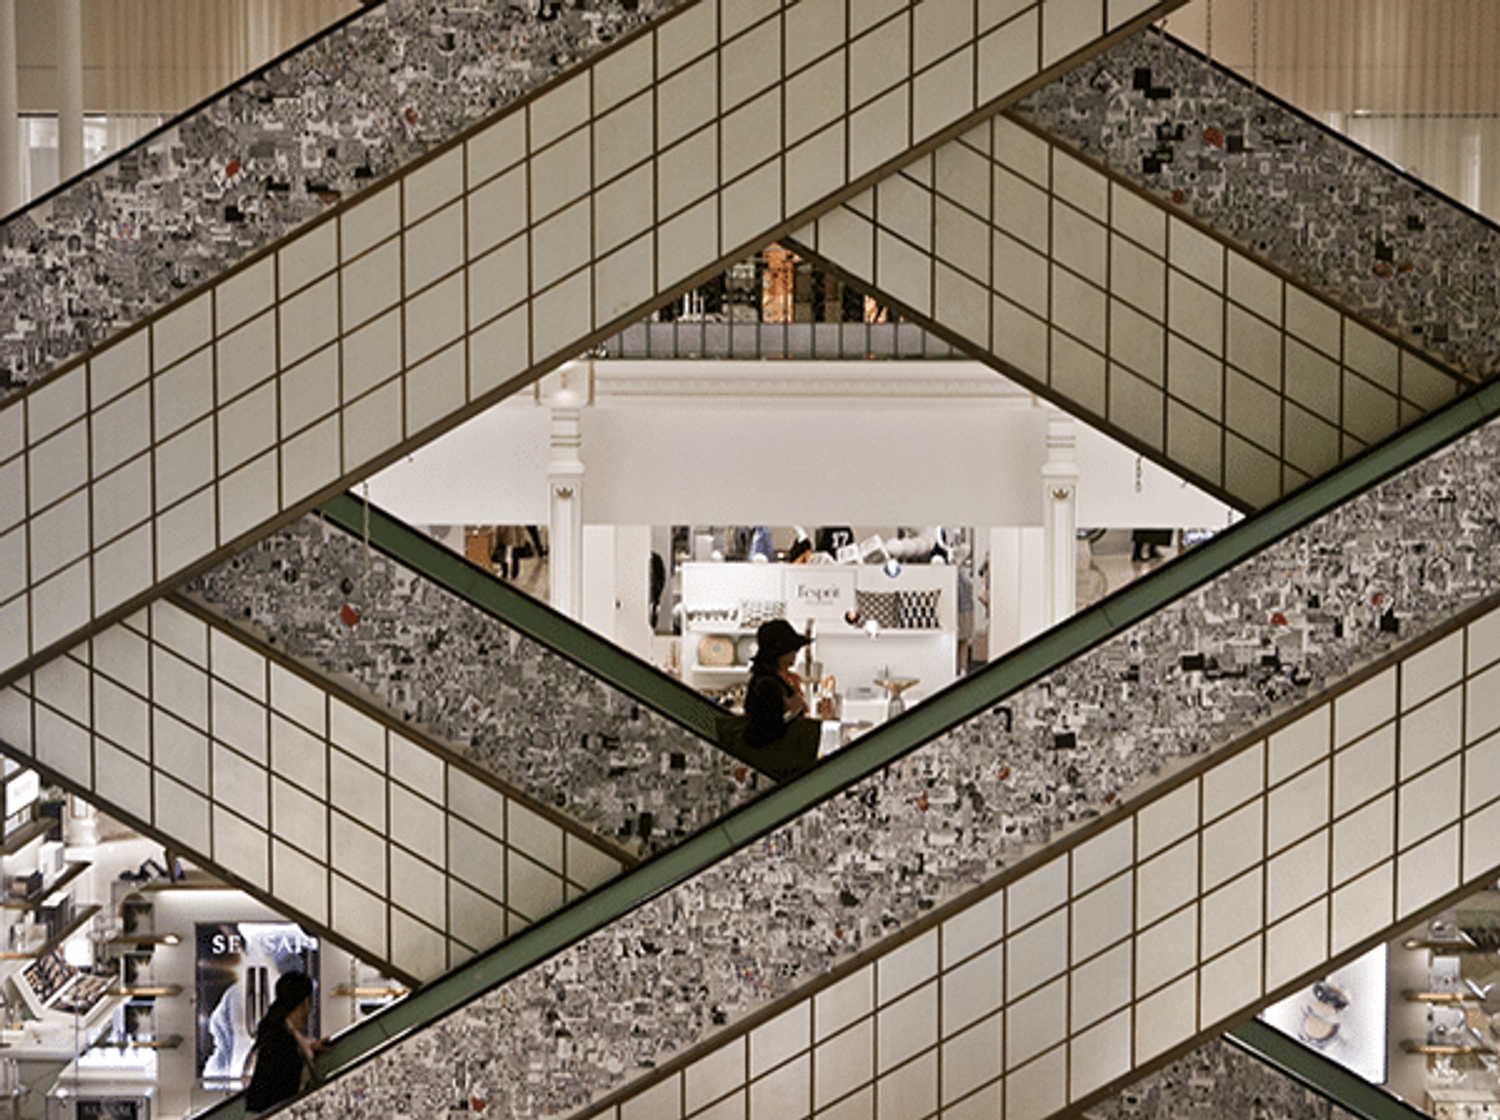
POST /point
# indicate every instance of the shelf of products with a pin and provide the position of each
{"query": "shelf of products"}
(113, 1042)
(142, 939)
(867, 625)
(40, 891)
(147, 991)
(50, 983)
(19, 838)
(79, 920)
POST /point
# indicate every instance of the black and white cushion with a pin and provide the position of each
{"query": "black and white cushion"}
(878, 607)
(918, 610)
(755, 611)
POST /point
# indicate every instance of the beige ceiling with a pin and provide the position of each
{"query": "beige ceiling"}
(161, 56)
(1346, 56)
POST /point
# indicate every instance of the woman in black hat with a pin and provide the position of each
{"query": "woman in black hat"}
(775, 708)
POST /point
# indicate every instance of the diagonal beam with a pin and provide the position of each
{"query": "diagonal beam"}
(521, 692)
(329, 118)
(1277, 181)
(496, 258)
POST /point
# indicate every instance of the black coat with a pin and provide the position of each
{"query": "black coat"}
(776, 745)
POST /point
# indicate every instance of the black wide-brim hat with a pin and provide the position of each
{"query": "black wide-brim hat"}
(777, 637)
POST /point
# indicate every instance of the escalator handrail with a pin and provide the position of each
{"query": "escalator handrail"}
(537, 620)
(1319, 1073)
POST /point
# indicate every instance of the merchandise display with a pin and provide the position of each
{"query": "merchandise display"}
(866, 625)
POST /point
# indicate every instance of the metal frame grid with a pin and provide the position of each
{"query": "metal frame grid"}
(1088, 289)
(495, 259)
(297, 791)
(1139, 940)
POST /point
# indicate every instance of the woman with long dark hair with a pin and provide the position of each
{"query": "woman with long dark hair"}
(282, 1053)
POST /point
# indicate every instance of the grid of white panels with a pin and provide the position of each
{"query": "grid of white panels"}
(1328, 833)
(294, 790)
(664, 160)
(1102, 296)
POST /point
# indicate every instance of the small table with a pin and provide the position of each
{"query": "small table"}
(896, 686)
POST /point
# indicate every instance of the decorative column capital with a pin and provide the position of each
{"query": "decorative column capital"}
(570, 386)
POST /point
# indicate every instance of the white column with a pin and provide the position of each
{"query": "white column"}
(1060, 518)
(69, 88)
(565, 500)
(10, 112)
(566, 391)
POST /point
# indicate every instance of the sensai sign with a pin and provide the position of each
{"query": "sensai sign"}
(821, 592)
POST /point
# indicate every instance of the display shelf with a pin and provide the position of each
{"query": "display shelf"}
(31, 831)
(188, 881)
(41, 894)
(146, 991)
(166, 1042)
(145, 939)
(357, 992)
(821, 596)
(78, 922)
(87, 992)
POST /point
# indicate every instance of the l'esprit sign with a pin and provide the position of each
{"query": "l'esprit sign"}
(819, 593)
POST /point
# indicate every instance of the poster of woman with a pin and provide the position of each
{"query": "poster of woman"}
(238, 964)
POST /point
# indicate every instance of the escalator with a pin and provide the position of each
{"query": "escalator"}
(1156, 303)
(962, 893)
(378, 772)
(296, 490)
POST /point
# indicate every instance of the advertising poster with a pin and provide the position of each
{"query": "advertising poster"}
(1342, 1016)
(238, 964)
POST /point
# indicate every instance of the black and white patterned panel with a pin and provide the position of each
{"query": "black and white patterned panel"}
(1289, 190)
(918, 610)
(510, 705)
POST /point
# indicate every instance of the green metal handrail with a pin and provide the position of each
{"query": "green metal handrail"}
(1329, 1079)
(559, 633)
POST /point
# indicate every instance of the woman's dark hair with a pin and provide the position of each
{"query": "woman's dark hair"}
(291, 989)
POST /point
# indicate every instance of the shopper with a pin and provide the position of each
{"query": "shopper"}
(282, 1053)
(777, 727)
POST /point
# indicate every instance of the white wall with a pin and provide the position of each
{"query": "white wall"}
(1108, 498)
(490, 471)
(811, 464)
(668, 462)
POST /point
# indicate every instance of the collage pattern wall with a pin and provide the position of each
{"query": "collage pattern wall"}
(299, 791)
(1110, 301)
(1291, 191)
(509, 705)
(1222, 1081)
(1367, 807)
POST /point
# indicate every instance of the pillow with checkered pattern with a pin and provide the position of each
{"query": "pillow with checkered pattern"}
(755, 611)
(918, 609)
(878, 607)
